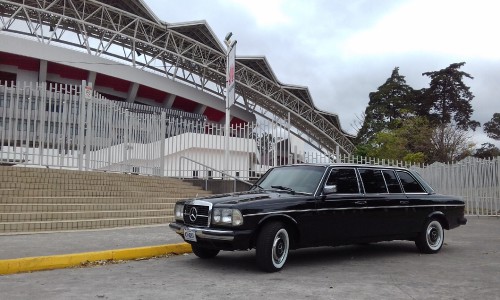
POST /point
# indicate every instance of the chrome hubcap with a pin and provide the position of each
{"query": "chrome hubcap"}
(434, 235)
(280, 247)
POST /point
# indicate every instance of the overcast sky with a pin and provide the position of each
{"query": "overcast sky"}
(343, 50)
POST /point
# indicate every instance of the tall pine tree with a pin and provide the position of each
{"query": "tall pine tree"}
(388, 106)
(492, 127)
(448, 98)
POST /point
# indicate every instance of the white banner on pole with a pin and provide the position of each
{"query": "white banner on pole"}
(230, 79)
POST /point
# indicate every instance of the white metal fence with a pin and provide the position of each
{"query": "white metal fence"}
(476, 180)
(55, 126)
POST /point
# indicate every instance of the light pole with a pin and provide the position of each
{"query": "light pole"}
(230, 88)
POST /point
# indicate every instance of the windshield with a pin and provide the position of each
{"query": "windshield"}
(301, 179)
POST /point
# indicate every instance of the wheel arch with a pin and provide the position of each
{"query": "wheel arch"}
(289, 222)
(441, 217)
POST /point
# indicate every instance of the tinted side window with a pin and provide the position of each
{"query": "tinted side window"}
(373, 181)
(392, 181)
(410, 184)
(345, 180)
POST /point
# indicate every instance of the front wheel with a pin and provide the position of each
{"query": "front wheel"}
(202, 252)
(273, 244)
(431, 239)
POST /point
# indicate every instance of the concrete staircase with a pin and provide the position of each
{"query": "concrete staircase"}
(36, 200)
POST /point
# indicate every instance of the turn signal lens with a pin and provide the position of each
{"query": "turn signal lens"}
(179, 212)
(237, 218)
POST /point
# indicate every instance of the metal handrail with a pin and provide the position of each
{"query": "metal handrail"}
(212, 169)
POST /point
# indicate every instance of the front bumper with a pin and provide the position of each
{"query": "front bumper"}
(223, 239)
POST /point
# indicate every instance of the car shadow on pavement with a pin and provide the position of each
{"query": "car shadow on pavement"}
(360, 252)
(245, 260)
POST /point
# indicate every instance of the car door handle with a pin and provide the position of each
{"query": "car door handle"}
(360, 202)
(404, 202)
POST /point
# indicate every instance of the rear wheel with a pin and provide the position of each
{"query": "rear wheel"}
(273, 244)
(202, 252)
(431, 239)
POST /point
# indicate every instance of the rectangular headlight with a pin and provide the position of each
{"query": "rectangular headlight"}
(227, 216)
(216, 216)
(179, 212)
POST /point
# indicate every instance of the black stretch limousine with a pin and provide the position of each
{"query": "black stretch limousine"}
(310, 205)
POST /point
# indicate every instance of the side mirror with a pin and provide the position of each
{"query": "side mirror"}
(329, 189)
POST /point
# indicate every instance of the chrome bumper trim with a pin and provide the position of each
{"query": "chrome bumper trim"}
(203, 233)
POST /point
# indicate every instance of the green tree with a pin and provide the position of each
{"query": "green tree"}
(361, 150)
(387, 145)
(492, 127)
(418, 157)
(487, 150)
(390, 104)
(417, 132)
(409, 142)
(448, 98)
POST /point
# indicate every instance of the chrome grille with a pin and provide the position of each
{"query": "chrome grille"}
(196, 214)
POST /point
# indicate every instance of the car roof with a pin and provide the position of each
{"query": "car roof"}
(348, 165)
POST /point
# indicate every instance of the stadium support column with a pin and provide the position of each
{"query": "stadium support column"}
(42, 73)
(132, 92)
(230, 93)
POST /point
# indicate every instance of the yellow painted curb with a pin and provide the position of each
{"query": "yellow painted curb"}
(28, 264)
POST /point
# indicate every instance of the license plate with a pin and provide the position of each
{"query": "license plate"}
(189, 235)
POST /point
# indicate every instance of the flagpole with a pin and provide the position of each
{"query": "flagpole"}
(229, 94)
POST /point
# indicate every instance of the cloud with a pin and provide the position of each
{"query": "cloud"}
(449, 27)
(265, 12)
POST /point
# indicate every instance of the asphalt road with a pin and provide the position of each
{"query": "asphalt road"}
(468, 267)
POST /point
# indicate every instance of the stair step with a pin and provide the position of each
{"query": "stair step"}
(85, 200)
(39, 175)
(86, 186)
(31, 208)
(82, 215)
(13, 227)
(91, 193)
(34, 177)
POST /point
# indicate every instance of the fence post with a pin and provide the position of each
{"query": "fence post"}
(163, 134)
(41, 111)
(88, 127)
(81, 124)
(496, 194)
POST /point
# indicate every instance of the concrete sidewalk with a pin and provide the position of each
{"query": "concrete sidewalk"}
(43, 251)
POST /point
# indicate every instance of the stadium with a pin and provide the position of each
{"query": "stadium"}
(143, 69)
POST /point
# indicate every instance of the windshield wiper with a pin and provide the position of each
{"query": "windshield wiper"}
(285, 188)
(258, 186)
